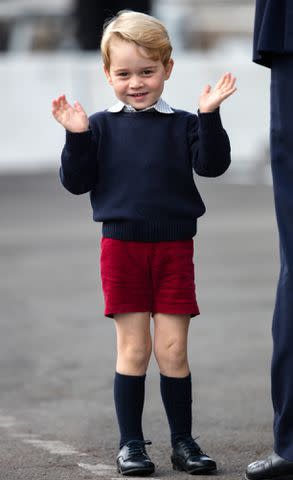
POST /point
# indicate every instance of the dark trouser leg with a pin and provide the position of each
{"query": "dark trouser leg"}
(282, 328)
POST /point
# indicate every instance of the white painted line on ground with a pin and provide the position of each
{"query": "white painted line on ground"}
(53, 446)
(101, 469)
(134, 478)
(103, 466)
(100, 466)
(98, 469)
(7, 422)
(60, 448)
(24, 435)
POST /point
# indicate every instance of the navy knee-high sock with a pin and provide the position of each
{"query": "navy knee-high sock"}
(129, 401)
(177, 398)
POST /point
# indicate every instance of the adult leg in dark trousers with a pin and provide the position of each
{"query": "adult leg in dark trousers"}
(282, 168)
(280, 463)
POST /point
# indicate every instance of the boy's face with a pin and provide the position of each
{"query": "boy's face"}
(137, 80)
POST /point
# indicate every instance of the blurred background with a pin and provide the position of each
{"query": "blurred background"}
(51, 47)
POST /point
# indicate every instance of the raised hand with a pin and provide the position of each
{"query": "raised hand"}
(210, 99)
(73, 118)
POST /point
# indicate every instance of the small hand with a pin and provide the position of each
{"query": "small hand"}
(73, 118)
(210, 99)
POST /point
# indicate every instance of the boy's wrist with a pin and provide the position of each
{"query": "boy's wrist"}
(79, 131)
(201, 110)
(209, 120)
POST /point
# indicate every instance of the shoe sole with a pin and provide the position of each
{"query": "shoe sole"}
(287, 477)
(136, 472)
(195, 471)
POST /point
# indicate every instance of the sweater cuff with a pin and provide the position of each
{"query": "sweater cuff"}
(210, 120)
(78, 141)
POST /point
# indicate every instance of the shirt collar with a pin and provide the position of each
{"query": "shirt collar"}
(161, 106)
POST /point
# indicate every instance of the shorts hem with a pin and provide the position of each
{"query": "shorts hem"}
(192, 313)
(130, 309)
(168, 311)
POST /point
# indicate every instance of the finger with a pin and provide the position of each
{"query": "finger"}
(229, 93)
(65, 105)
(58, 107)
(56, 103)
(222, 80)
(230, 82)
(78, 107)
(226, 87)
(56, 114)
(206, 90)
(60, 98)
(227, 81)
(55, 107)
(63, 101)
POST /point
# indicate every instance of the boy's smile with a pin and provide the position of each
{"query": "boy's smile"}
(137, 79)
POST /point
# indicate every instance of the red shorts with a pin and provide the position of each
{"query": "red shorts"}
(155, 277)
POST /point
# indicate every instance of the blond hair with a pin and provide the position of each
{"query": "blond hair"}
(143, 30)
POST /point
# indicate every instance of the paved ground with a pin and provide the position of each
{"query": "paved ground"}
(57, 350)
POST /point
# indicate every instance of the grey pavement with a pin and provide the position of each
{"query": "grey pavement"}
(57, 350)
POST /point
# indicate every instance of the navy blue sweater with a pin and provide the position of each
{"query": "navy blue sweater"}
(138, 168)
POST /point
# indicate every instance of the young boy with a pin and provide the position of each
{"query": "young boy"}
(137, 159)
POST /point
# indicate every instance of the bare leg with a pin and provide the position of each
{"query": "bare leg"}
(134, 343)
(170, 344)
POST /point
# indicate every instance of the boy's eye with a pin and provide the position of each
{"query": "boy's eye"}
(122, 74)
(147, 72)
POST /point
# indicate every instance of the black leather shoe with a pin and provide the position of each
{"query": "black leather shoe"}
(187, 456)
(132, 459)
(272, 467)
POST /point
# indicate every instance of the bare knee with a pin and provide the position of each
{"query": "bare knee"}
(133, 358)
(171, 356)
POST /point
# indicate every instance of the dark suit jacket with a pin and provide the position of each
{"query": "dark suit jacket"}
(273, 29)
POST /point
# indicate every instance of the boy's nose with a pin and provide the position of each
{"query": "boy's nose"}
(135, 82)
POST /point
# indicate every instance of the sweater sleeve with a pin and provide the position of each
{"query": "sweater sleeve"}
(209, 144)
(79, 162)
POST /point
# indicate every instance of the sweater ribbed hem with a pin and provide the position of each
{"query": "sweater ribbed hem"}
(149, 231)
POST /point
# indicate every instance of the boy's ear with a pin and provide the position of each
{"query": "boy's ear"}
(169, 68)
(107, 73)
